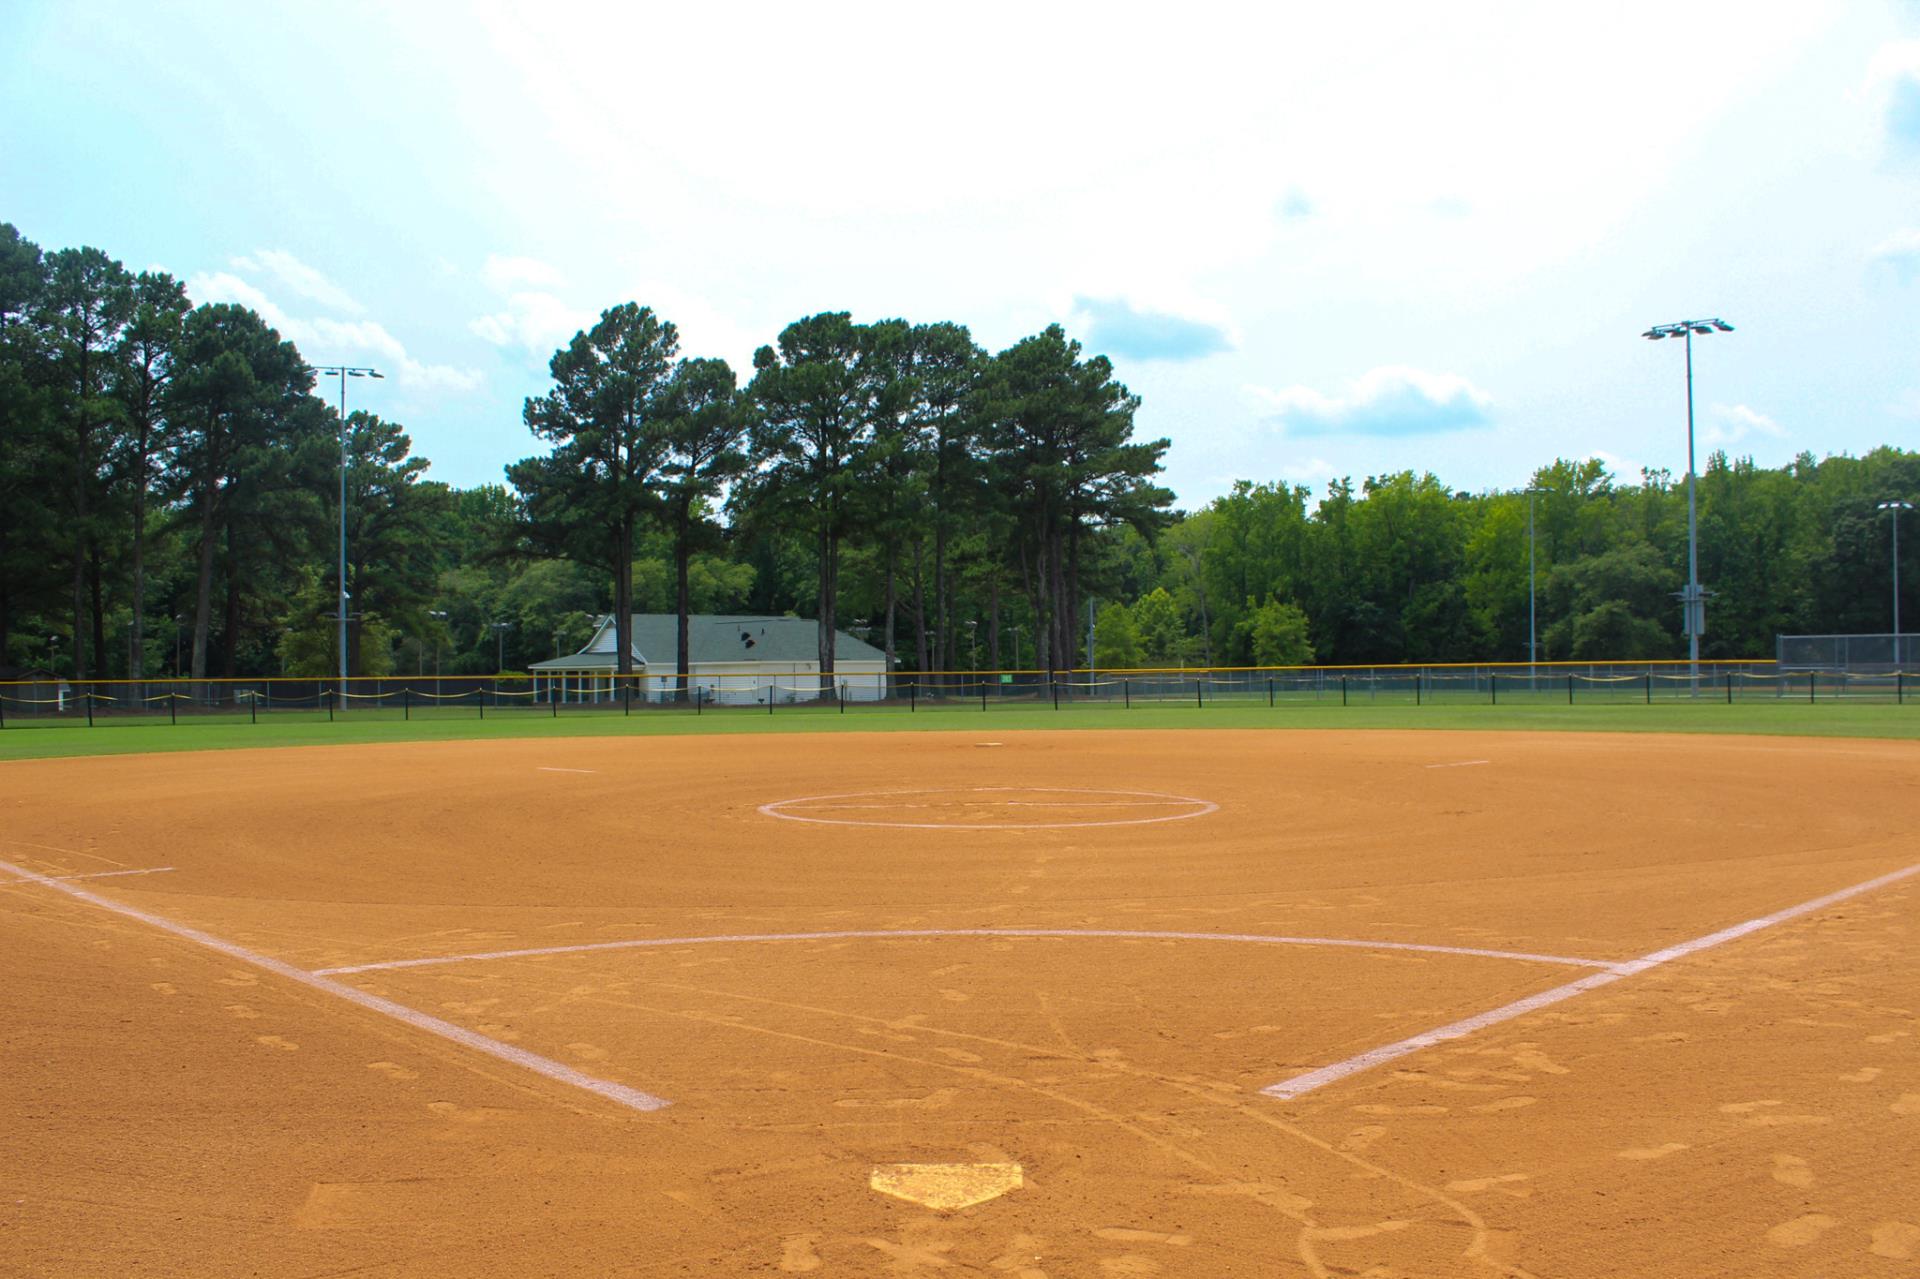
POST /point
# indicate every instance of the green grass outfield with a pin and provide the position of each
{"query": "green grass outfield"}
(1836, 718)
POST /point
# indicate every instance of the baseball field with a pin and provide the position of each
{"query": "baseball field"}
(999, 999)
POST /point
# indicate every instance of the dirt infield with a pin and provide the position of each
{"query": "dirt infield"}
(674, 1006)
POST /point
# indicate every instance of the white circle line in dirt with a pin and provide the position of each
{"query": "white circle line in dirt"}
(1201, 807)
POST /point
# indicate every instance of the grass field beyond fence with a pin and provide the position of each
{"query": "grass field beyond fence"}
(226, 730)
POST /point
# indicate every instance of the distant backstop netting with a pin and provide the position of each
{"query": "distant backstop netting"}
(1847, 652)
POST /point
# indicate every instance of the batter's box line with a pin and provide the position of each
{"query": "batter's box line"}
(881, 934)
(1300, 1085)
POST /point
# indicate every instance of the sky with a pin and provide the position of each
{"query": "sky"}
(1317, 240)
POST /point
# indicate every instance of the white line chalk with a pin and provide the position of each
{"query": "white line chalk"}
(1129, 934)
(1465, 763)
(1197, 807)
(1299, 1085)
(557, 1071)
(545, 769)
(108, 874)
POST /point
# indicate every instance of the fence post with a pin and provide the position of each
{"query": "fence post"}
(1493, 688)
(983, 696)
(253, 707)
(696, 701)
(1899, 690)
(1416, 687)
(406, 701)
(1813, 684)
(3, 710)
(770, 692)
(1198, 703)
(89, 708)
(553, 699)
(1126, 694)
(1343, 690)
(1269, 692)
(329, 706)
(1569, 690)
(1054, 684)
(1729, 688)
(1649, 688)
(840, 695)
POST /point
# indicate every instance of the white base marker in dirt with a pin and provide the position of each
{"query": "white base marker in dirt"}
(546, 769)
(1124, 934)
(557, 1071)
(946, 1187)
(1465, 763)
(1299, 1085)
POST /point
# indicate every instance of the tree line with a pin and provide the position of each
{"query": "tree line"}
(170, 474)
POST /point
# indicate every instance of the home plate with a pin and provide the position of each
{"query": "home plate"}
(945, 1187)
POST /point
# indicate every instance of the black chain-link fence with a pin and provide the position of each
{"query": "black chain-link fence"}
(49, 701)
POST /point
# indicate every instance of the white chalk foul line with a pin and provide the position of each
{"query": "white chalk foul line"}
(1287, 1089)
(546, 769)
(1465, 763)
(557, 1071)
(1131, 934)
(109, 874)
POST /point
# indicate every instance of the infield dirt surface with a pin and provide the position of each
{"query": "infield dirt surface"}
(1750, 1108)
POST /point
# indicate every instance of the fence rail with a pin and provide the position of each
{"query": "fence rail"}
(47, 702)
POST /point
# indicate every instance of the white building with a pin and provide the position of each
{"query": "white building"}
(731, 660)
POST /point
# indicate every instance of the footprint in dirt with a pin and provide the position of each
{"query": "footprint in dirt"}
(1652, 1152)
(1898, 1240)
(1791, 1170)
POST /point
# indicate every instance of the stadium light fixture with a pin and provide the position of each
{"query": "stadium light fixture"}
(343, 372)
(1894, 508)
(1693, 603)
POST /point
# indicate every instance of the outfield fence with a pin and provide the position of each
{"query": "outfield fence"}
(51, 702)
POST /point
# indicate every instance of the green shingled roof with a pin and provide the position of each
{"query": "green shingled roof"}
(724, 638)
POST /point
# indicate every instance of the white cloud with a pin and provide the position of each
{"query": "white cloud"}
(1899, 252)
(506, 273)
(1308, 471)
(321, 338)
(302, 279)
(539, 322)
(1621, 468)
(1389, 401)
(1732, 423)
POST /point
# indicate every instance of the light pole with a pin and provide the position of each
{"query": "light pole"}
(499, 630)
(1693, 602)
(343, 372)
(438, 631)
(1533, 641)
(1894, 508)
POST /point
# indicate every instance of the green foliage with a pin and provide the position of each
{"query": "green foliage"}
(1277, 635)
(1116, 641)
(169, 482)
(1165, 638)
